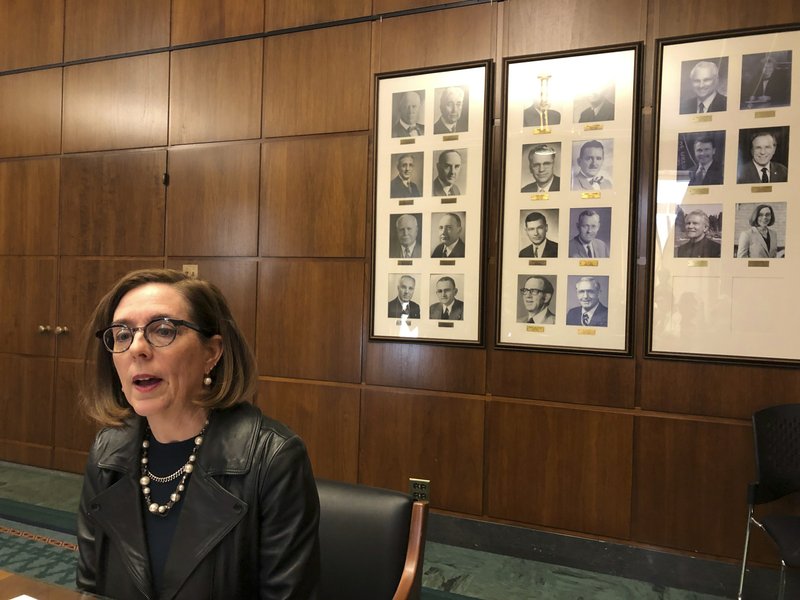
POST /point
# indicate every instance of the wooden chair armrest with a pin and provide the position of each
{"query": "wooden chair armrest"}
(415, 554)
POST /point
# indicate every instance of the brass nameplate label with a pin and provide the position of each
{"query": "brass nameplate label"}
(449, 200)
(401, 322)
(757, 263)
(406, 202)
(408, 141)
(698, 191)
(587, 331)
(449, 138)
(447, 263)
(702, 118)
(589, 262)
(541, 130)
(537, 262)
(405, 263)
(447, 324)
(763, 114)
(760, 189)
(542, 196)
(590, 195)
(535, 328)
(593, 127)
(698, 263)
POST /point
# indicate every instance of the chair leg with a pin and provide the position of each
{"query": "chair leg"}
(744, 555)
(782, 585)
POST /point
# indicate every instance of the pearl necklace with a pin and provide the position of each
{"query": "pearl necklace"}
(162, 509)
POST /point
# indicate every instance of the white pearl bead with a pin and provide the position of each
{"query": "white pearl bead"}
(192, 458)
(198, 441)
(153, 507)
(162, 509)
(145, 444)
(188, 468)
(144, 460)
(146, 491)
(145, 480)
(181, 487)
(175, 497)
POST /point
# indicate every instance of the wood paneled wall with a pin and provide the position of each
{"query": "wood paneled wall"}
(267, 142)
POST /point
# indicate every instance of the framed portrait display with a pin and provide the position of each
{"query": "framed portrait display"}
(430, 155)
(723, 268)
(569, 156)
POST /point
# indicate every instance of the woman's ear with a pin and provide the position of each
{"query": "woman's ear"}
(214, 347)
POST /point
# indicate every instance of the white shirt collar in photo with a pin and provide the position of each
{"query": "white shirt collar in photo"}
(766, 166)
(707, 102)
(540, 316)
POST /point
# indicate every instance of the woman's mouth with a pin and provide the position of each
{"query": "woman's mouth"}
(146, 383)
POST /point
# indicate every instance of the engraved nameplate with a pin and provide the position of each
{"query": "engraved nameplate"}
(589, 262)
(542, 196)
(535, 328)
(763, 114)
(698, 263)
(406, 202)
(405, 263)
(450, 138)
(537, 262)
(698, 191)
(702, 118)
(757, 263)
(447, 263)
(449, 200)
(541, 130)
(447, 324)
(593, 127)
(760, 189)
(587, 331)
(590, 195)
(408, 141)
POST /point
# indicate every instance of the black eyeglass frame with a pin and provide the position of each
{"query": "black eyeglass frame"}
(101, 333)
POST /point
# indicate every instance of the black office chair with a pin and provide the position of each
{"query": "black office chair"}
(776, 432)
(372, 542)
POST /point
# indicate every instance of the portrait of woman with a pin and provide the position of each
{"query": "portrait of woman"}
(189, 491)
(761, 240)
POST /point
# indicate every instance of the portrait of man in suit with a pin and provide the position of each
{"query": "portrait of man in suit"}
(405, 242)
(590, 312)
(590, 172)
(453, 118)
(586, 244)
(537, 292)
(601, 104)
(536, 230)
(766, 79)
(448, 171)
(450, 243)
(701, 91)
(408, 112)
(701, 157)
(534, 116)
(402, 307)
(403, 184)
(757, 164)
(542, 160)
(447, 307)
(698, 243)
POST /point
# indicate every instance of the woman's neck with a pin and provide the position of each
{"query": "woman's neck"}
(167, 429)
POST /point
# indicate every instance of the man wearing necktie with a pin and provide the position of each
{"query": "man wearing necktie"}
(708, 170)
(541, 164)
(590, 161)
(451, 106)
(402, 306)
(406, 124)
(705, 96)
(402, 186)
(448, 168)
(451, 245)
(407, 244)
(590, 312)
(448, 307)
(761, 168)
(537, 292)
(536, 230)
(585, 244)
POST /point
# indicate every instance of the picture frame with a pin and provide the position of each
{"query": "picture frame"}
(722, 270)
(428, 230)
(570, 147)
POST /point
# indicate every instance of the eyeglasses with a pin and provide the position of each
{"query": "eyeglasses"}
(530, 291)
(159, 332)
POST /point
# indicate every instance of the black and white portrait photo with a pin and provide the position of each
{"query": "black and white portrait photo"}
(535, 116)
(406, 169)
(445, 298)
(538, 233)
(405, 235)
(766, 79)
(587, 300)
(698, 231)
(536, 303)
(760, 230)
(453, 110)
(450, 172)
(447, 234)
(541, 165)
(704, 85)
(408, 113)
(701, 157)
(591, 232)
(763, 155)
(592, 163)
(596, 103)
(401, 289)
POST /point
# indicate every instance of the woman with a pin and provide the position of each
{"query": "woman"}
(189, 491)
(760, 241)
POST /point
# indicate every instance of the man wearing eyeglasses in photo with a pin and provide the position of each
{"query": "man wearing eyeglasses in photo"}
(536, 295)
(448, 308)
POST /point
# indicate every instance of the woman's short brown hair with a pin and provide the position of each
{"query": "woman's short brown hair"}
(234, 378)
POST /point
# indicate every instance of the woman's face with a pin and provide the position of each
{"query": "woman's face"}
(162, 382)
(764, 216)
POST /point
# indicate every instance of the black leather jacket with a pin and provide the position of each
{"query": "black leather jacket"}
(248, 528)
